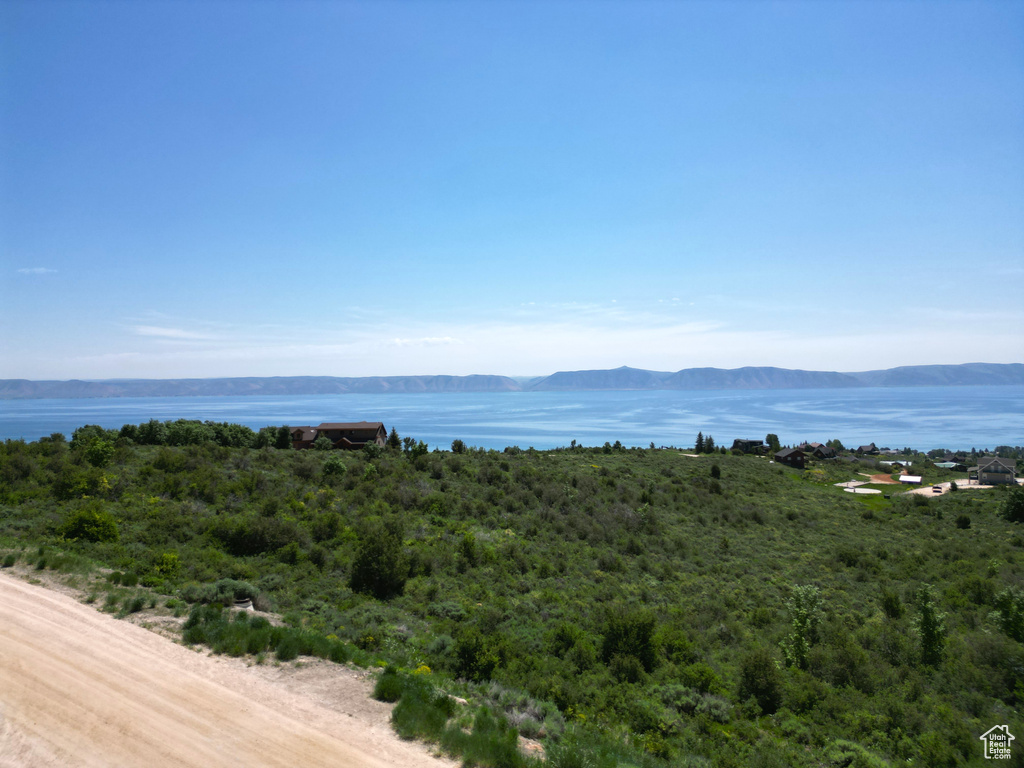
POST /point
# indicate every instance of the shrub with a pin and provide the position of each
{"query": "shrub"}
(422, 714)
(389, 686)
(1009, 613)
(963, 522)
(491, 742)
(1013, 507)
(760, 678)
(892, 606)
(630, 633)
(475, 656)
(10, 560)
(333, 466)
(381, 566)
(92, 523)
(930, 627)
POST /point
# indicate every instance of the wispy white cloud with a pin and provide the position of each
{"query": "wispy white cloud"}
(36, 271)
(171, 333)
(425, 341)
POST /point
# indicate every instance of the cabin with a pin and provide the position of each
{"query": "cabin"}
(748, 446)
(824, 451)
(911, 479)
(791, 457)
(992, 470)
(350, 436)
(869, 449)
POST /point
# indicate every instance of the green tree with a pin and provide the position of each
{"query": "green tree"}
(760, 678)
(458, 446)
(476, 656)
(709, 444)
(631, 633)
(394, 441)
(772, 440)
(323, 443)
(381, 566)
(333, 466)
(930, 627)
(699, 445)
(1013, 507)
(283, 439)
(805, 614)
(99, 452)
(153, 432)
(1009, 613)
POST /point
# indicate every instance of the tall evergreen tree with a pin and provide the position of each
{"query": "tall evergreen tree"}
(699, 447)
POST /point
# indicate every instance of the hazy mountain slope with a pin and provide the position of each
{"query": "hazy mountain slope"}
(944, 375)
(624, 378)
(616, 378)
(758, 378)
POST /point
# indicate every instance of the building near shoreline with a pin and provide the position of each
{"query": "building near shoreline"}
(349, 436)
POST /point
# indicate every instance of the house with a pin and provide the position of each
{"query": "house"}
(992, 470)
(344, 435)
(791, 457)
(824, 451)
(868, 449)
(910, 479)
(303, 437)
(748, 446)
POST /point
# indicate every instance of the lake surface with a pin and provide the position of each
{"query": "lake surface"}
(917, 417)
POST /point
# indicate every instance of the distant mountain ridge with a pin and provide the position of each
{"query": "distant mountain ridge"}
(624, 378)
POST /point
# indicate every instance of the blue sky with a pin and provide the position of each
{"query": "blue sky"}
(388, 188)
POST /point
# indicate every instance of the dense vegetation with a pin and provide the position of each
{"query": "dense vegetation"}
(625, 606)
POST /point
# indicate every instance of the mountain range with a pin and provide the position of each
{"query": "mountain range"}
(624, 378)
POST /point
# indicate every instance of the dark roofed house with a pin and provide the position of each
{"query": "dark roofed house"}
(992, 470)
(303, 437)
(791, 457)
(748, 446)
(824, 451)
(345, 435)
(868, 449)
(354, 435)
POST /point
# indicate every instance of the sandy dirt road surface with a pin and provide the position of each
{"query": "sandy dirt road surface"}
(81, 688)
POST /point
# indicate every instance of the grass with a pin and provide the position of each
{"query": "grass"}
(511, 567)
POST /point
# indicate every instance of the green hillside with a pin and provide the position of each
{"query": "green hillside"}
(622, 606)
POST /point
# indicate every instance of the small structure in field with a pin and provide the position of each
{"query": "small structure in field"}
(868, 450)
(791, 457)
(910, 479)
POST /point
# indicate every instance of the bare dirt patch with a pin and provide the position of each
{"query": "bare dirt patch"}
(79, 687)
(882, 479)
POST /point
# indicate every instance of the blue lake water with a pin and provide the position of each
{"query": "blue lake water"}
(918, 417)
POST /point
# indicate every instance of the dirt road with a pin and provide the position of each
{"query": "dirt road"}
(81, 688)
